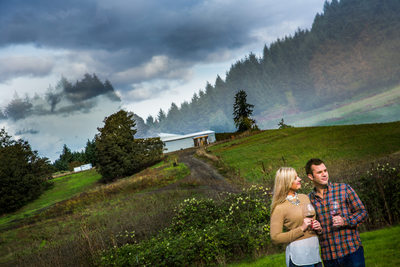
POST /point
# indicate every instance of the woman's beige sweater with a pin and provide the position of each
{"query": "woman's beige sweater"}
(290, 217)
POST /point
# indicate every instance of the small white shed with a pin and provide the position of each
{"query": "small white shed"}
(83, 167)
(174, 142)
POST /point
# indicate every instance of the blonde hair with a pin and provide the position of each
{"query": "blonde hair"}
(284, 179)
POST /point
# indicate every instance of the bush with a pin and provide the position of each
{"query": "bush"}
(203, 232)
(379, 190)
(23, 174)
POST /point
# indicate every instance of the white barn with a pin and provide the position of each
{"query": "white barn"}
(174, 142)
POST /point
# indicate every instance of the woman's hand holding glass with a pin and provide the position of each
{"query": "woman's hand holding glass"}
(306, 224)
(316, 226)
(309, 214)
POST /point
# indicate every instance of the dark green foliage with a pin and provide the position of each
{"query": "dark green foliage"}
(242, 112)
(115, 147)
(23, 174)
(148, 151)
(118, 153)
(68, 160)
(379, 189)
(61, 164)
(203, 232)
(90, 152)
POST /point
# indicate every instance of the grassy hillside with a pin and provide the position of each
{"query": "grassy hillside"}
(47, 233)
(81, 218)
(64, 188)
(339, 146)
(379, 250)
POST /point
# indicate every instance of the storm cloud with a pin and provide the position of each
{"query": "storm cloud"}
(154, 52)
(123, 38)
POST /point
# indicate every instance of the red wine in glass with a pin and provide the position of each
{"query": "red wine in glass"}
(334, 208)
(309, 212)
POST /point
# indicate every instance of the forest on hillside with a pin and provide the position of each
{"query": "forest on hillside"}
(351, 49)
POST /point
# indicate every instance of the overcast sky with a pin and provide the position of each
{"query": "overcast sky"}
(154, 52)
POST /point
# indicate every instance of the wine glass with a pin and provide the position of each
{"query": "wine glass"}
(309, 212)
(334, 208)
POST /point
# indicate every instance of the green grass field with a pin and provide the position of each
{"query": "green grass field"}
(64, 188)
(338, 146)
(381, 248)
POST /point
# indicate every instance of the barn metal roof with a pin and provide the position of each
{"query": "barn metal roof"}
(172, 137)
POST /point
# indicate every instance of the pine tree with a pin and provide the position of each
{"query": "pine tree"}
(115, 146)
(90, 152)
(66, 157)
(161, 116)
(242, 112)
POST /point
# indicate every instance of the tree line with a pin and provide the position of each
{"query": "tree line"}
(351, 48)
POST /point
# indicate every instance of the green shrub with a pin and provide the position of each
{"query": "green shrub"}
(203, 232)
(118, 154)
(379, 189)
(23, 174)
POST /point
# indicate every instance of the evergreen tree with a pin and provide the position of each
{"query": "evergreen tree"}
(283, 125)
(242, 112)
(150, 121)
(115, 149)
(62, 163)
(90, 152)
(23, 174)
(161, 116)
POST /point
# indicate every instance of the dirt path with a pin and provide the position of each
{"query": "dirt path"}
(203, 173)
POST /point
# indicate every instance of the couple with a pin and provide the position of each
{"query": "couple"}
(336, 232)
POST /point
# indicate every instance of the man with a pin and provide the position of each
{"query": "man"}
(339, 240)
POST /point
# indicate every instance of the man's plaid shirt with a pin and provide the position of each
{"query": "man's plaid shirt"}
(339, 242)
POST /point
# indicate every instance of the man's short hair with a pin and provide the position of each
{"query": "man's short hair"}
(310, 163)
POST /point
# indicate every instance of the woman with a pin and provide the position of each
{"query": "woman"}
(287, 212)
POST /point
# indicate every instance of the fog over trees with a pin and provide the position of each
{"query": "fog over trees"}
(351, 49)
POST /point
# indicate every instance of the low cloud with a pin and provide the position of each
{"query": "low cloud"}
(12, 67)
(48, 132)
(26, 131)
(144, 91)
(159, 67)
(64, 100)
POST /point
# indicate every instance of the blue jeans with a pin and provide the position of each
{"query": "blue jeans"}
(291, 264)
(355, 259)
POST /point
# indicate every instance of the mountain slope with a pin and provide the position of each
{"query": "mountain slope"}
(351, 51)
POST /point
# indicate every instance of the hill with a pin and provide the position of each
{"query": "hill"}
(344, 148)
(349, 54)
(90, 218)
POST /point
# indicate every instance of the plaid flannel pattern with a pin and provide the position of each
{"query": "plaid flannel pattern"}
(339, 242)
